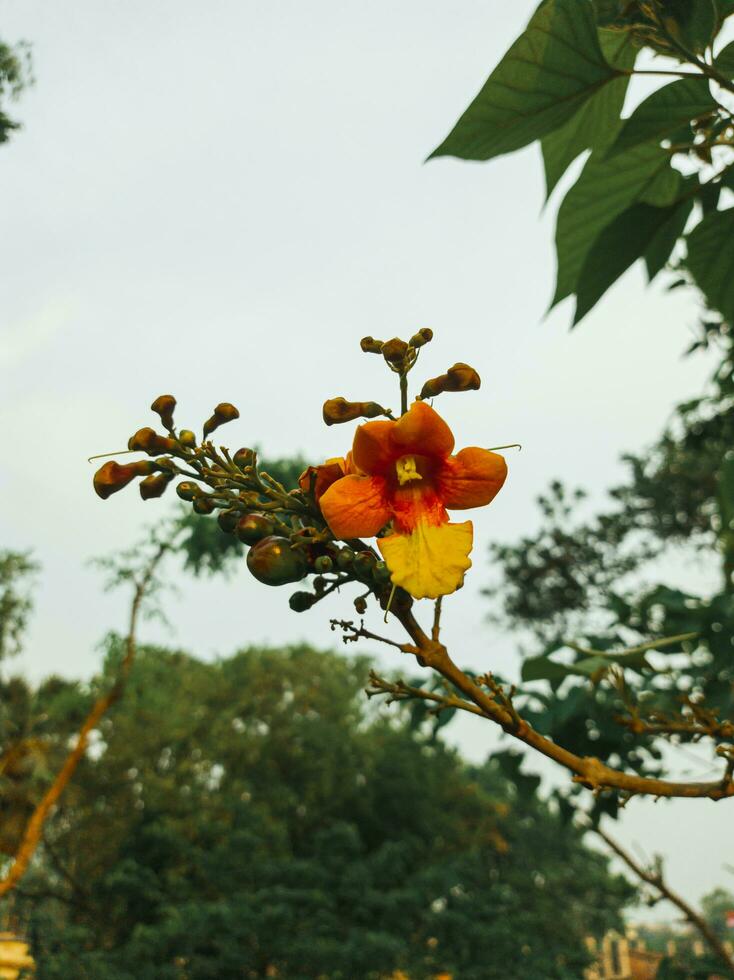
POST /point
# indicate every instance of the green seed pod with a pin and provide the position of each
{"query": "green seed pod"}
(273, 562)
(253, 528)
(364, 563)
(323, 564)
(188, 490)
(301, 601)
(187, 438)
(381, 572)
(228, 519)
(345, 558)
(203, 505)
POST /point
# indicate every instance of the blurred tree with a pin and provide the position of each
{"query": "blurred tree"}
(255, 814)
(15, 75)
(718, 908)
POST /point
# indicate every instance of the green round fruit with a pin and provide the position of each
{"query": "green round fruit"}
(364, 563)
(323, 564)
(253, 528)
(345, 558)
(273, 562)
(187, 490)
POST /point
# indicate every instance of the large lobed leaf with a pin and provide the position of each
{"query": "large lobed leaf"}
(664, 112)
(711, 260)
(545, 77)
(605, 189)
(597, 122)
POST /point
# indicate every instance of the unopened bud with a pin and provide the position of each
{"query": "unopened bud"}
(423, 337)
(394, 351)
(301, 601)
(360, 604)
(253, 528)
(323, 564)
(155, 485)
(187, 438)
(148, 441)
(188, 490)
(203, 505)
(223, 413)
(381, 571)
(244, 457)
(364, 563)
(113, 477)
(227, 519)
(338, 410)
(345, 558)
(164, 406)
(371, 346)
(460, 377)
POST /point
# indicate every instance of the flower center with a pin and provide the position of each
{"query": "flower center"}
(407, 470)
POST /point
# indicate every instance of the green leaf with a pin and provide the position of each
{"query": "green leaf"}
(663, 112)
(548, 73)
(606, 188)
(726, 502)
(620, 244)
(596, 123)
(663, 242)
(724, 61)
(695, 21)
(711, 260)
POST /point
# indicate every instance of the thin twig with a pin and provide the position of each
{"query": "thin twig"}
(34, 827)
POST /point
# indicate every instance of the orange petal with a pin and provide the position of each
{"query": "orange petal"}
(323, 476)
(471, 478)
(422, 431)
(431, 561)
(372, 451)
(356, 506)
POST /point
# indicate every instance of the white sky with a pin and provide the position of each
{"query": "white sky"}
(218, 200)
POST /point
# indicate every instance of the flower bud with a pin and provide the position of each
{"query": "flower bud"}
(424, 336)
(338, 410)
(460, 377)
(301, 601)
(164, 406)
(345, 558)
(381, 571)
(113, 477)
(148, 441)
(203, 505)
(394, 351)
(360, 604)
(323, 564)
(273, 562)
(228, 519)
(223, 413)
(187, 438)
(364, 563)
(371, 346)
(244, 457)
(188, 490)
(253, 528)
(155, 485)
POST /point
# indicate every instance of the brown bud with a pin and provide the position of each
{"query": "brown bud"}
(187, 438)
(244, 457)
(113, 477)
(223, 413)
(337, 410)
(203, 505)
(394, 351)
(460, 377)
(148, 441)
(164, 406)
(155, 485)
(424, 336)
(371, 346)
(188, 490)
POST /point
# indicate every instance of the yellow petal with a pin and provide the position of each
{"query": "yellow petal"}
(430, 561)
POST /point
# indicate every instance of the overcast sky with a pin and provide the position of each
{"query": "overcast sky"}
(218, 200)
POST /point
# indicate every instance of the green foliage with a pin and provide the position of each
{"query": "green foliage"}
(716, 905)
(564, 82)
(15, 74)
(16, 572)
(545, 77)
(254, 815)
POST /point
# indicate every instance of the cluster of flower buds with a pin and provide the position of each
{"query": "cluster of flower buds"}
(283, 529)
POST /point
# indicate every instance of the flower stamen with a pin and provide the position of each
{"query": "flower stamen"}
(407, 470)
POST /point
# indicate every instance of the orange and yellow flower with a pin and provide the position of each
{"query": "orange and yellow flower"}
(402, 475)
